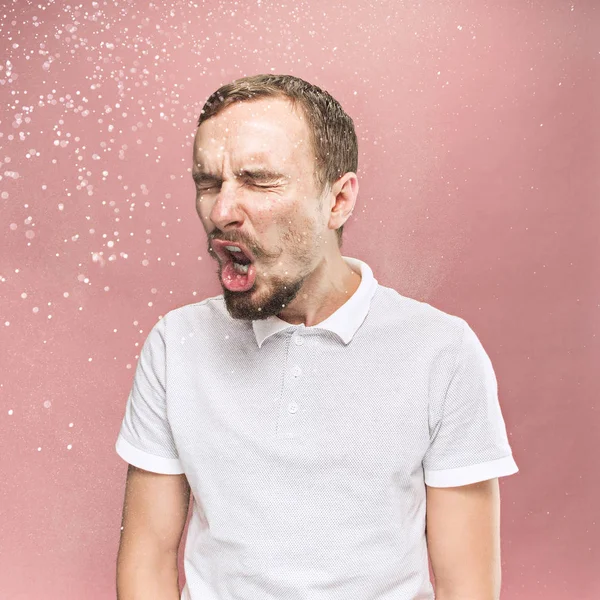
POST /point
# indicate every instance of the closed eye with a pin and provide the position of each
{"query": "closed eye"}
(261, 178)
(207, 188)
(260, 183)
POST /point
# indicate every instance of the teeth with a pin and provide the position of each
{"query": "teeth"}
(240, 268)
(233, 248)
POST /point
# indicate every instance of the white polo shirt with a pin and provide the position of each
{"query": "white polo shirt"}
(307, 449)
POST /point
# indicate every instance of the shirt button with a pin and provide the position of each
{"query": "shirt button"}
(299, 341)
(292, 407)
(296, 371)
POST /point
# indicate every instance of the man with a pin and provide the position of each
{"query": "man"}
(332, 433)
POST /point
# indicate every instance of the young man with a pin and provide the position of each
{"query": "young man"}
(332, 432)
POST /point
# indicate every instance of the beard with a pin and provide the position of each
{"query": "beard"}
(271, 294)
(255, 304)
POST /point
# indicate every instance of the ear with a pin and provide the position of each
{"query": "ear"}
(342, 199)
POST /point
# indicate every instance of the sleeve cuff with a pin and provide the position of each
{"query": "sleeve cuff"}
(472, 473)
(148, 462)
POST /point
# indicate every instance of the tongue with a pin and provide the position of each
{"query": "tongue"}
(237, 282)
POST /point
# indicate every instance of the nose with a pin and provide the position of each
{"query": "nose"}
(225, 211)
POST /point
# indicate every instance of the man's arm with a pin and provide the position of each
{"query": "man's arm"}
(154, 516)
(463, 539)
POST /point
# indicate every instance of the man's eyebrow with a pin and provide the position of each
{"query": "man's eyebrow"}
(262, 174)
(201, 176)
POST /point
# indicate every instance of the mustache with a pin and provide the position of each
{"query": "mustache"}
(222, 239)
(256, 251)
(250, 247)
(232, 242)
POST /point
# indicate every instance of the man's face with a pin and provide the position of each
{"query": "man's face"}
(254, 172)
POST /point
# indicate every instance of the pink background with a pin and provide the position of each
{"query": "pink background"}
(478, 126)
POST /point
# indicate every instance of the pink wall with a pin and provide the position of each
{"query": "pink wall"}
(479, 146)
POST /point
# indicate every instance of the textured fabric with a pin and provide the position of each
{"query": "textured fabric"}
(307, 449)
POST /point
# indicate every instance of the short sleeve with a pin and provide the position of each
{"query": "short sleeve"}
(468, 440)
(145, 439)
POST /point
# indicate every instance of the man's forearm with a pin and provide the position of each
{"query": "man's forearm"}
(442, 595)
(140, 577)
(463, 597)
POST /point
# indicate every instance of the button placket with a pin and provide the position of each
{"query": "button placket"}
(296, 372)
(291, 415)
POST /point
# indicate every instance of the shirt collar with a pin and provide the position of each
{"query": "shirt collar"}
(344, 322)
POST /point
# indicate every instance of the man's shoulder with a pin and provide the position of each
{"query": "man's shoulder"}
(395, 310)
(210, 310)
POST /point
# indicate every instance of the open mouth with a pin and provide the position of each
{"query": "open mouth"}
(237, 268)
(238, 273)
(240, 261)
